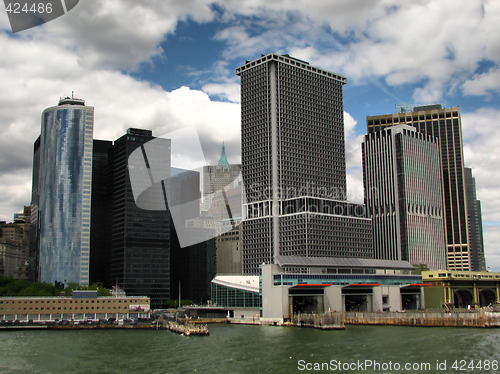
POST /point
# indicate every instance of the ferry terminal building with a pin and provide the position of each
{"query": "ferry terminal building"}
(296, 284)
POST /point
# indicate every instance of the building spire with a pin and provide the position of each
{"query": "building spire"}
(223, 164)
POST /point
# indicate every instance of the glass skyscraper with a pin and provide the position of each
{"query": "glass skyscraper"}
(140, 224)
(64, 163)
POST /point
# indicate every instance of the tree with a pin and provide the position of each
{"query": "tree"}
(419, 268)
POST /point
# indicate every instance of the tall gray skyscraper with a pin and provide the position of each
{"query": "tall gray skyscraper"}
(478, 262)
(445, 124)
(403, 195)
(62, 190)
(293, 164)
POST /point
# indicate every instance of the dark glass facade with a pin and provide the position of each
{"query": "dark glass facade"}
(475, 222)
(139, 259)
(34, 230)
(193, 266)
(100, 223)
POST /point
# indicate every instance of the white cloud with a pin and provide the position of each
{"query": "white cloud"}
(118, 34)
(484, 83)
(120, 102)
(226, 91)
(435, 44)
(480, 154)
(353, 159)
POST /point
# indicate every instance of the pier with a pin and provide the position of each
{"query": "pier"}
(188, 329)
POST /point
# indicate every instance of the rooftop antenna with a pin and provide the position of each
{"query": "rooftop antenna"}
(404, 107)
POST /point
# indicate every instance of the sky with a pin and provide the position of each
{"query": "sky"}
(169, 64)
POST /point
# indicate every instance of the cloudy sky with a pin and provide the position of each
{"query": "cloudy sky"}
(169, 64)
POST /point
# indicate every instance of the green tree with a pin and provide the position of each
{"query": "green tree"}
(419, 268)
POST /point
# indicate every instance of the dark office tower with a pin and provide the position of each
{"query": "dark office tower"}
(446, 125)
(64, 164)
(34, 230)
(403, 195)
(193, 267)
(100, 223)
(140, 238)
(293, 164)
(475, 223)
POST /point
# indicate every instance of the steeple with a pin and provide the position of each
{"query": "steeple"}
(223, 164)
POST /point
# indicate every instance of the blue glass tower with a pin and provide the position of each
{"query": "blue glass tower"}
(64, 192)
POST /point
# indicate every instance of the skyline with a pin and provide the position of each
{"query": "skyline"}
(149, 65)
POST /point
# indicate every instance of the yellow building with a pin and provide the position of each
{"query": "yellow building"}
(461, 288)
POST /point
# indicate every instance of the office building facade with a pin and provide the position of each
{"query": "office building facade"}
(445, 124)
(33, 254)
(100, 222)
(140, 238)
(193, 266)
(478, 262)
(14, 249)
(62, 174)
(403, 195)
(217, 177)
(293, 165)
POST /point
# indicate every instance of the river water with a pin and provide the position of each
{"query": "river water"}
(253, 349)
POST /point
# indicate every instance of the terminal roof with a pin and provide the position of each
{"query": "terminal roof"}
(337, 262)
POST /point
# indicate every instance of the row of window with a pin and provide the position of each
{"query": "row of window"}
(19, 302)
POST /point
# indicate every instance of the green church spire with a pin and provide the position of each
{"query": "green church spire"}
(223, 164)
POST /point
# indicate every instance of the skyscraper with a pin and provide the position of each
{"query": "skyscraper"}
(193, 266)
(140, 225)
(34, 254)
(478, 262)
(217, 177)
(403, 195)
(100, 220)
(445, 124)
(63, 163)
(293, 164)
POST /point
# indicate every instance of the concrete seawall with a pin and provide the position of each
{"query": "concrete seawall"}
(337, 320)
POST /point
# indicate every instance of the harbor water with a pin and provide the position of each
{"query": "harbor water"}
(253, 349)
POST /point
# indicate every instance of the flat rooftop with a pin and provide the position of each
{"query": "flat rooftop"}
(337, 262)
